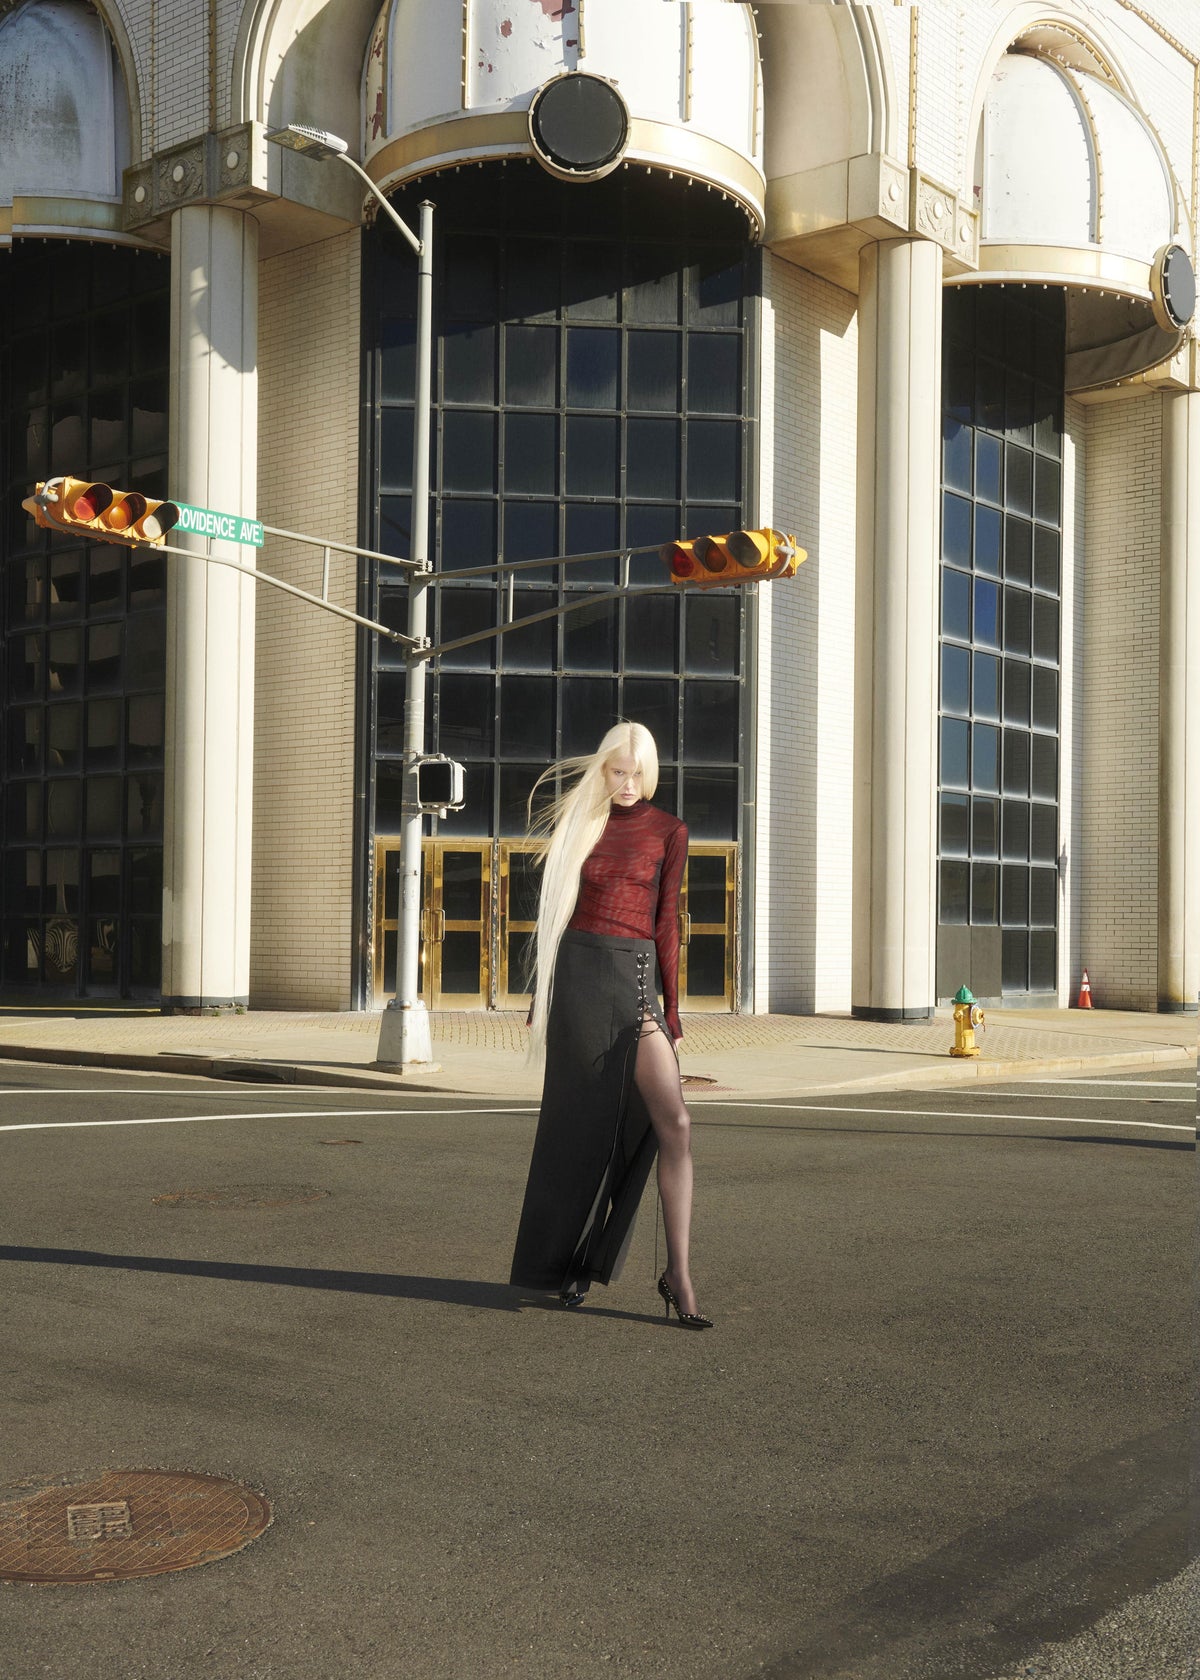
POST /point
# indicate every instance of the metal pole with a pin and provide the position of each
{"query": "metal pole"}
(404, 1037)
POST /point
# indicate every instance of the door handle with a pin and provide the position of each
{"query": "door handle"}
(685, 928)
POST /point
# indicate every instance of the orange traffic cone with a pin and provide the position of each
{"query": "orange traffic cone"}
(1085, 992)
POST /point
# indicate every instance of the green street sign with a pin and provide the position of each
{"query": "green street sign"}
(230, 527)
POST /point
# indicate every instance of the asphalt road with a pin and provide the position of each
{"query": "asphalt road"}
(939, 1429)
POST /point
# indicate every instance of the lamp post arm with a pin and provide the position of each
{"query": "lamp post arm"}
(344, 157)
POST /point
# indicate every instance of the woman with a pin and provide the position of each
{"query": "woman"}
(612, 1096)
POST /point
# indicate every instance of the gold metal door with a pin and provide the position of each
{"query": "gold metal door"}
(456, 922)
(708, 930)
(518, 882)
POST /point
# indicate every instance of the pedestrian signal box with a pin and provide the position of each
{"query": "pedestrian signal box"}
(439, 784)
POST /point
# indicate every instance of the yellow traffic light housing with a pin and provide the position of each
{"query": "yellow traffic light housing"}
(77, 504)
(736, 557)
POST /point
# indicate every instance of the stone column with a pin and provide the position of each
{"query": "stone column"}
(895, 687)
(210, 613)
(1179, 708)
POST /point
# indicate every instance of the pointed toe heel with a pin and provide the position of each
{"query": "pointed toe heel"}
(690, 1321)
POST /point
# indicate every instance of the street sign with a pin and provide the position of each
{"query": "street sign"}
(230, 527)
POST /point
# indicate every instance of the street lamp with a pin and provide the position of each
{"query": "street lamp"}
(404, 1037)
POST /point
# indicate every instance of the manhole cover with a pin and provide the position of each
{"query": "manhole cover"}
(124, 1524)
(242, 1196)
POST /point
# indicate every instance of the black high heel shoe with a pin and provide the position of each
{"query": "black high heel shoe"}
(692, 1321)
(573, 1297)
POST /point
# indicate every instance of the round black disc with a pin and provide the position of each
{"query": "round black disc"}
(1179, 285)
(580, 123)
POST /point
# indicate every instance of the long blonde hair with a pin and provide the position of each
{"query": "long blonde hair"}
(565, 831)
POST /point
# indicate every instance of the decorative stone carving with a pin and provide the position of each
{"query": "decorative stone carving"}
(227, 166)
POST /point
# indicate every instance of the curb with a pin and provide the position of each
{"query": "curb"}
(263, 1071)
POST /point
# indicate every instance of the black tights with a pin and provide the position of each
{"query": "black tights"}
(657, 1078)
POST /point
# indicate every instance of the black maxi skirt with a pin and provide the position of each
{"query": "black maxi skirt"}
(594, 1145)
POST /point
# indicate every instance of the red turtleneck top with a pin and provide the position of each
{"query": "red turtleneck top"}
(629, 888)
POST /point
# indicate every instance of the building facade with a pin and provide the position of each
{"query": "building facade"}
(913, 281)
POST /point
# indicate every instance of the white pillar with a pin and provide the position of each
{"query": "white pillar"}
(210, 613)
(1179, 708)
(895, 688)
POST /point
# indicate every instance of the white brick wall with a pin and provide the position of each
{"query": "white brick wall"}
(1117, 692)
(802, 915)
(305, 669)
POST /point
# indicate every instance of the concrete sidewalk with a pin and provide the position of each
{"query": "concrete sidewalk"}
(483, 1053)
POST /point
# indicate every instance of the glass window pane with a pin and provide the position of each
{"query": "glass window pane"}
(1014, 830)
(956, 605)
(590, 637)
(143, 805)
(395, 449)
(527, 718)
(986, 597)
(62, 657)
(653, 290)
(714, 379)
(468, 451)
(531, 366)
(63, 743)
(530, 533)
(103, 734)
(1018, 479)
(1047, 434)
(533, 278)
(589, 708)
(1043, 833)
(1019, 414)
(104, 800)
(1043, 897)
(1014, 960)
(389, 712)
(591, 456)
(987, 540)
(712, 625)
(1016, 691)
(1016, 762)
(24, 740)
(652, 463)
(987, 467)
(469, 282)
(955, 740)
(985, 686)
(710, 722)
(1043, 961)
(466, 612)
(956, 680)
(592, 528)
(652, 633)
(985, 828)
(647, 524)
(397, 359)
(1018, 549)
(1043, 777)
(530, 454)
(1014, 895)
(144, 729)
(956, 530)
(516, 784)
(533, 647)
(468, 363)
(148, 400)
(652, 370)
(714, 449)
(145, 881)
(985, 758)
(656, 704)
(593, 367)
(709, 802)
(1048, 489)
(954, 881)
(989, 390)
(715, 290)
(105, 576)
(706, 888)
(1016, 621)
(956, 454)
(468, 534)
(1045, 628)
(985, 894)
(955, 838)
(466, 716)
(591, 281)
(1046, 545)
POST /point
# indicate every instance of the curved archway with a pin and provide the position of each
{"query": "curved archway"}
(832, 61)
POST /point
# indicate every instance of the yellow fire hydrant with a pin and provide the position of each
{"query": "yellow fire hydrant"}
(967, 1016)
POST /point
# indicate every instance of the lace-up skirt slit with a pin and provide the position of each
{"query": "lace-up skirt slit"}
(594, 1145)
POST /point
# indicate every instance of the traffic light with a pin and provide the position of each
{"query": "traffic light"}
(77, 504)
(736, 557)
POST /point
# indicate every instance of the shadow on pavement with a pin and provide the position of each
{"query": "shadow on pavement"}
(454, 1292)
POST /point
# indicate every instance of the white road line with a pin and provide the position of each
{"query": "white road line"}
(277, 1114)
(1062, 1096)
(1135, 1084)
(938, 1114)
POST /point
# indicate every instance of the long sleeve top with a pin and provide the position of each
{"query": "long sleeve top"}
(629, 888)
